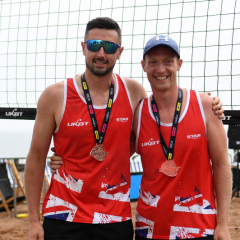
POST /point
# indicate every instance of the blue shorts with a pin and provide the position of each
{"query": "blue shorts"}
(62, 230)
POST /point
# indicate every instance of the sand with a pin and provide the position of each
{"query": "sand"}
(17, 228)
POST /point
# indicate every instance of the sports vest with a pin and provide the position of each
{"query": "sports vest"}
(83, 189)
(178, 207)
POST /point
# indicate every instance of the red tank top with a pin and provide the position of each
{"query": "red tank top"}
(83, 189)
(178, 207)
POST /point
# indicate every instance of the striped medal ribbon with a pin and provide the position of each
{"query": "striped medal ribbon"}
(98, 152)
(169, 167)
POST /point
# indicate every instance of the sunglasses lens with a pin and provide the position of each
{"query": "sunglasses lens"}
(110, 47)
(95, 45)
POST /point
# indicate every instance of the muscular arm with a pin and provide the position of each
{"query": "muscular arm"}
(217, 145)
(34, 173)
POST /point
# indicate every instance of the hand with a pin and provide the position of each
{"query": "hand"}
(56, 162)
(36, 231)
(217, 107)
(221, 233)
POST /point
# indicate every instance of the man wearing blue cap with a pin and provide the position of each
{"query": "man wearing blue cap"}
(179, 181)
(98, 49)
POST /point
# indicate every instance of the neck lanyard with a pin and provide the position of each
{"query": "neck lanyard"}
(168, 152)
(98, 149)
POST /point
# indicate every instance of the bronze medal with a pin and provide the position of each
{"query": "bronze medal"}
(98, 152)
(169, 168)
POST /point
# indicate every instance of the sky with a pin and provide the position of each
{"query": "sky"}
(40, 45)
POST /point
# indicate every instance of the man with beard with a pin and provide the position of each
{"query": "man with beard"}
(90, 117)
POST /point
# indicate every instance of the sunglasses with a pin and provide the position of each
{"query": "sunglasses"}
(109, 47)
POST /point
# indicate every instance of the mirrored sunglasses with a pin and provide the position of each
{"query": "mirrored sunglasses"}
(109, 47)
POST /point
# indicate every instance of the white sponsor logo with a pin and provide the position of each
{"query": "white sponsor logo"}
(13, 113)
(150, 143)
(194, 136)
(163, 38)
(122, 119)
(78, 123)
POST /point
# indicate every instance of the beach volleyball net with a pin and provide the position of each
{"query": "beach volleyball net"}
(40, 44)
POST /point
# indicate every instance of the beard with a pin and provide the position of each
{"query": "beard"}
(99, 72)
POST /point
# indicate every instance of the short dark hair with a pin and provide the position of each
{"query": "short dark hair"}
(103, 23)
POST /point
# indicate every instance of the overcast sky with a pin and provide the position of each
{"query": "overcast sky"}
(40, 45)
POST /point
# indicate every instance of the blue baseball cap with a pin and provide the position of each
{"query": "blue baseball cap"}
(161, 40)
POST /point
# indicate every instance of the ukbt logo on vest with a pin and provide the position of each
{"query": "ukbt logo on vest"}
(150, 143)
(78, 123)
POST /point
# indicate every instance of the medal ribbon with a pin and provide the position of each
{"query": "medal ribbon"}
(169, 151)
(99, 137)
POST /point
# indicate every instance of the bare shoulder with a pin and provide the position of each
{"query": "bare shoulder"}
(212, 120)
(206, 102)
(52, 95)
(132, 83)
(136, 90)
(50, 104)
(53, 91)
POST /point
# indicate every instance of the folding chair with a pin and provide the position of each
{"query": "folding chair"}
(6, 190)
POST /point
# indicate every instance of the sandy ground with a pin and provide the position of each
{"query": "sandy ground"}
(17, 228)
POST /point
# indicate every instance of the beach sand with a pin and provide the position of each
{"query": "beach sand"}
(17, 228)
